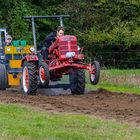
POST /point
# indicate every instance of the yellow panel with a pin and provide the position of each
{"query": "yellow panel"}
(13, 81)
(27, 49)
(15, 63)
(22, 50)
(8, 49)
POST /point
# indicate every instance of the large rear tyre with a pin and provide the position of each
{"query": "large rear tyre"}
(29, 78)
(44, 75)
(94, 78)
(3, 77)
(77, 81)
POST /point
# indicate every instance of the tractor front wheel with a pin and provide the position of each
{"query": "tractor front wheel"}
(29, 78)
(94, 78)
(3, 77)
(44, 75)
(77, 81)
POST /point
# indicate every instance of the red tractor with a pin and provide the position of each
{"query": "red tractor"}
(64, 58)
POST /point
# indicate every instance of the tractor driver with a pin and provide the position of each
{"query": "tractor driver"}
(50, 39)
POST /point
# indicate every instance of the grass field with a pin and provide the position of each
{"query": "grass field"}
(21, 123)
(119, 80)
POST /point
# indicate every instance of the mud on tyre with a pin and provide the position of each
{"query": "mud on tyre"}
(94, 78)
(44, 75)
(77, 81)
(29, 78)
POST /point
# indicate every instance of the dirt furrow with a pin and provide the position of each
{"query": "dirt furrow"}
(110, 105)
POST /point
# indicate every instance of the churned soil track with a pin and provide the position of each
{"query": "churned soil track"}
(109, 105)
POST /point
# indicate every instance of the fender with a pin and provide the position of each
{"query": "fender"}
(28, 58)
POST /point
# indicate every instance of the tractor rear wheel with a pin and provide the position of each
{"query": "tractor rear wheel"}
(44, 75)
(77, 81)
(29, 78)
(3, 77)
(94, 78)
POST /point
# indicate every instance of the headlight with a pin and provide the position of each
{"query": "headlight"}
(8, 49)
(32, 49)
(79, 48)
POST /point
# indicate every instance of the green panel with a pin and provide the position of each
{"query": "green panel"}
(23, 43)
(15, 43)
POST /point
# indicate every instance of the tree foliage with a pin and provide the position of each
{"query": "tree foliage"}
(100, 25)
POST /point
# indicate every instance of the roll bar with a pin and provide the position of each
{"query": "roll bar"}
(2, 31)
(32, 18)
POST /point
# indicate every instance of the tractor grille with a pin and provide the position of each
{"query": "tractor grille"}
(68, 44)
(8, 56)
(75, 48)
(64, 49)
(17, 57)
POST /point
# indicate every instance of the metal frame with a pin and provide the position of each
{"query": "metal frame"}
(2, 30)
(32, 18)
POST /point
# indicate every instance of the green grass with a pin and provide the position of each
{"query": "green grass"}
(119, 80)
(21, 123)
(25, 124)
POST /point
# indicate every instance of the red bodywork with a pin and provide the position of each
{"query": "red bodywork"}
(60, 63)
(30, 57)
